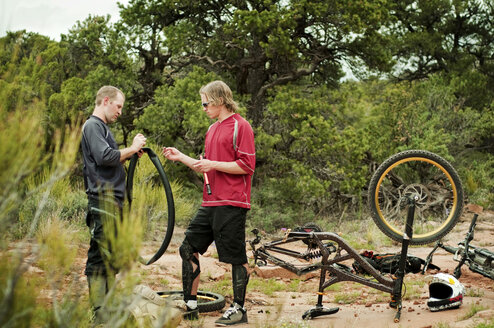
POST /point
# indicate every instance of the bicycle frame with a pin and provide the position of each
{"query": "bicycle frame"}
(478, 260)
(331, 258)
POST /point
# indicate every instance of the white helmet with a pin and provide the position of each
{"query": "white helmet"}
(446, 292)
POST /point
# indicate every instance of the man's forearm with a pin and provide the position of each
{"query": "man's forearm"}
(228, 167)
(187, 160)
(126, 153)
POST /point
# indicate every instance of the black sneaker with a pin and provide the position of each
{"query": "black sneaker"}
(234, 315)
(191, 314)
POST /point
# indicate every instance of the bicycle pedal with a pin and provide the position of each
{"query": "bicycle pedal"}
(319, 311)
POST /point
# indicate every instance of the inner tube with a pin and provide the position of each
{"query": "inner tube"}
(169, 199)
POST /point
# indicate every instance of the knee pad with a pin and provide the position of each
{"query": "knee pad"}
(188, 273)
(187, 251)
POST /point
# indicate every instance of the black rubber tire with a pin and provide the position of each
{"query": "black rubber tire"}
(402, 169)
(206, 301)
(170, 224)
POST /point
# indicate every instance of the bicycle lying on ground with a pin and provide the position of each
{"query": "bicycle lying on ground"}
(415, 197)
(479, 260)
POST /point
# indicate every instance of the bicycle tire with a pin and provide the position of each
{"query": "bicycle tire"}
(170, 224)
(425, 175)
(206, 301)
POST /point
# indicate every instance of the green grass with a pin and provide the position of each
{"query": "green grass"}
(474, 308)
(489, 324)
(347, 297)
(474, 292)
(285, 324)
(223, 287)
(270, 286)
(414, 288)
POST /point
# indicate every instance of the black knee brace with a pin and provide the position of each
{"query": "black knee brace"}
(188, 273)
(240, 279)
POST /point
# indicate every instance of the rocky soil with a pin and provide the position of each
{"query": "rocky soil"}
(367, 307)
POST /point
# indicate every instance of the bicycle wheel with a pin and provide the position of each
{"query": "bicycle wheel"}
(169, 203)
(431, 181)
(206, 301)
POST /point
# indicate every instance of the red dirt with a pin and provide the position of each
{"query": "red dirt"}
(370, 307)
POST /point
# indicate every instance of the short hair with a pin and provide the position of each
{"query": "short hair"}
(107, 91)
(219, 93)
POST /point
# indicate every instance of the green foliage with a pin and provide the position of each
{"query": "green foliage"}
(438, 36)
(318, 139)
(57, 251)
(177, 115)
(412, 116)
(65, 201)
(477, 170)
(17, 296)
(320, 152)
(177, 119)
(149, 190)
(22, 140)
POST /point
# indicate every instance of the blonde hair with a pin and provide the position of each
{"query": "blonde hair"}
(219, 93)
(107, 91)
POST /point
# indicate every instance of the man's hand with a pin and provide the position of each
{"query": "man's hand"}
(172, 154)
(203, 165)
(139, 142)
(136, 147)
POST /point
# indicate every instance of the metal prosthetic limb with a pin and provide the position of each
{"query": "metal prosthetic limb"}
(188, 272)
(240, 279)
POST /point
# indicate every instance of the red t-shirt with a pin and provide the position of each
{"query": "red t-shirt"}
(228, 141)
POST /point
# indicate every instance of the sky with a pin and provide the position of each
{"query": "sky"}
(52, 17)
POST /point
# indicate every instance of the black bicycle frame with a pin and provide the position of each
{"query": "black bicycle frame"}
(467, 254)
(332, 265)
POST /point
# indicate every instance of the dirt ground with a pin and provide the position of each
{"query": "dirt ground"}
(366, 307)
(369, 307)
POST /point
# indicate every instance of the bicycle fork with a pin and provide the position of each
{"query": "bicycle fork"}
(396, 300)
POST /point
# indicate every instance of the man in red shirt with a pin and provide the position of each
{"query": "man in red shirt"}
(228, 165)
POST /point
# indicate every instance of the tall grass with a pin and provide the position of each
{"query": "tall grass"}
(148, 189)
(43, 232)
(22, 144)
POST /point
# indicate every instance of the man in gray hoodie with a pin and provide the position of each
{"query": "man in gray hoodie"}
(104, 180)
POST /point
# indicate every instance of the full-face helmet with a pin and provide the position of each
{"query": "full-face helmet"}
(445, 292)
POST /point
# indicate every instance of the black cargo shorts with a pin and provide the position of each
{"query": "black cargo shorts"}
(225, 225)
